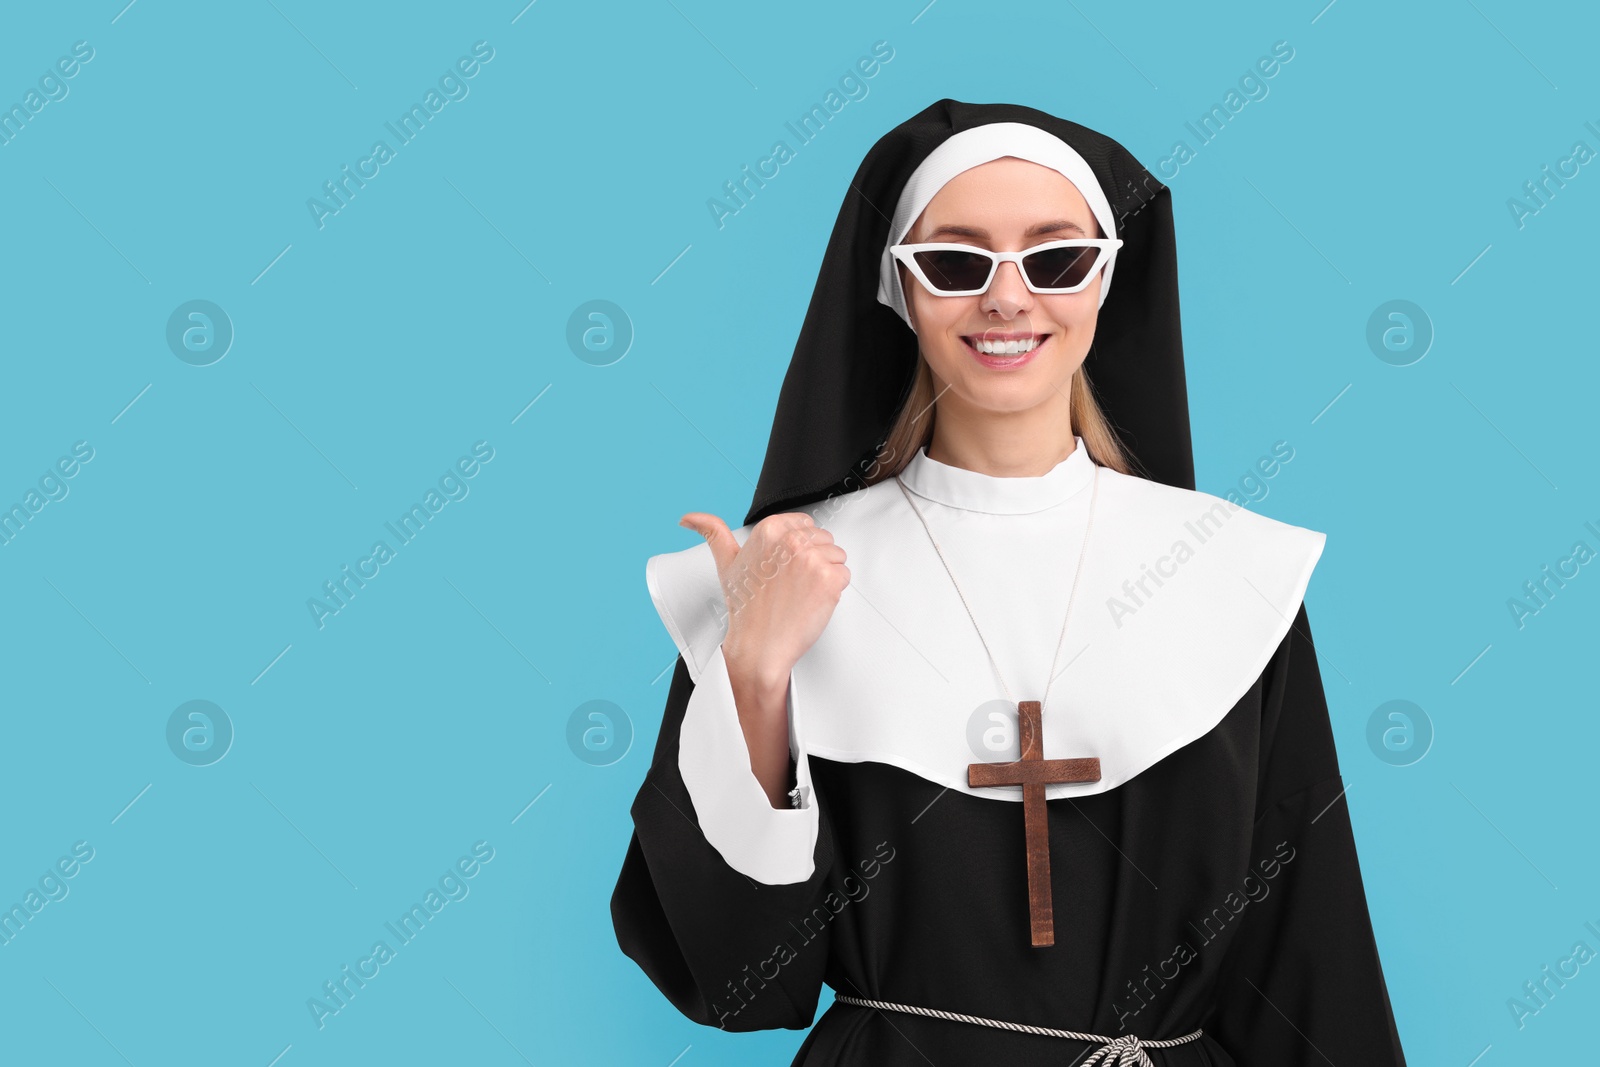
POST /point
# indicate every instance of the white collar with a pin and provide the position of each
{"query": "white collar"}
(970, 490)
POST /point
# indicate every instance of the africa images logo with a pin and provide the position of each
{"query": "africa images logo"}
(452, 87)
(452, 486)
(452, 887)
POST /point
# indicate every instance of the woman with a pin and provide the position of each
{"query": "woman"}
(834, 796)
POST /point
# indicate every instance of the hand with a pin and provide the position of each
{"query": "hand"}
(781, 588)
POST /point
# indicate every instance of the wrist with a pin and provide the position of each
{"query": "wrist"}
(765, 681)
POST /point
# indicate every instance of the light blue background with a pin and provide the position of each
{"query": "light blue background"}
(433, 309)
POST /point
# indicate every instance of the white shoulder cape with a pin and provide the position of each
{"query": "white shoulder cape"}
(899, 673)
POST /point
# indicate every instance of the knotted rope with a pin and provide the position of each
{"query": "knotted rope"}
(1125, 1051)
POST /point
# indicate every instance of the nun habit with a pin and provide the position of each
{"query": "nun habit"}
(1206, 881)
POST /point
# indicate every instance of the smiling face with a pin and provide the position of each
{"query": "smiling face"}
(978, 347)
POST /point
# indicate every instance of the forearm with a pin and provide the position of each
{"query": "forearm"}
(762, 703)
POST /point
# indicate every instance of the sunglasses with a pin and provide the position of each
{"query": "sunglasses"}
(963, 270)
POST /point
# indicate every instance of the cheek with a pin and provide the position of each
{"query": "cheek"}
(939, 316)
(1076, 313)
(939, 340)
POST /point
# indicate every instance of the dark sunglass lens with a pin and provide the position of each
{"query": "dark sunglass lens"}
(1060, 268)
(954, 271)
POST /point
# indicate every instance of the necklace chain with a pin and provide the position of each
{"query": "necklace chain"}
(1083, 549)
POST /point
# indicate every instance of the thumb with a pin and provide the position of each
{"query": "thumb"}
(724, 546)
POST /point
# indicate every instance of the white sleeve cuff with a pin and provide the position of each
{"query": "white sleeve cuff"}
(771, 845)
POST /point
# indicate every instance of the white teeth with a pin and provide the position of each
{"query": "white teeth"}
(1006, 348)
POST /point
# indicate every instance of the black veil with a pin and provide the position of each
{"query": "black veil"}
(855, 360)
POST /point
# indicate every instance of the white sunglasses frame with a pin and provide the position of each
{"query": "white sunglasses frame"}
(1107, 254)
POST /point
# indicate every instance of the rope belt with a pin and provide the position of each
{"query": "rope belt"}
(1125, 1051)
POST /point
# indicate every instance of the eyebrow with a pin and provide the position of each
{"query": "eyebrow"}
(974, 232)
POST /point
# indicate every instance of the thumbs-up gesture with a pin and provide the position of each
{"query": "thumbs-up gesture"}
(781, 588)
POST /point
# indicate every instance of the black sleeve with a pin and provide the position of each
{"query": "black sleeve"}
(725, 949)
(1303, 984)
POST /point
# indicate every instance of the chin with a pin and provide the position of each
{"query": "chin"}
(1015, 392)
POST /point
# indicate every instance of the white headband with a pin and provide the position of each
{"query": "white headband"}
(967, 149)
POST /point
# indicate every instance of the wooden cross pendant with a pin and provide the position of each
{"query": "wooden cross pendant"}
(1033, 772)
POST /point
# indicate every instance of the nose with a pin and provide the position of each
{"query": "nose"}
(1007, 293)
